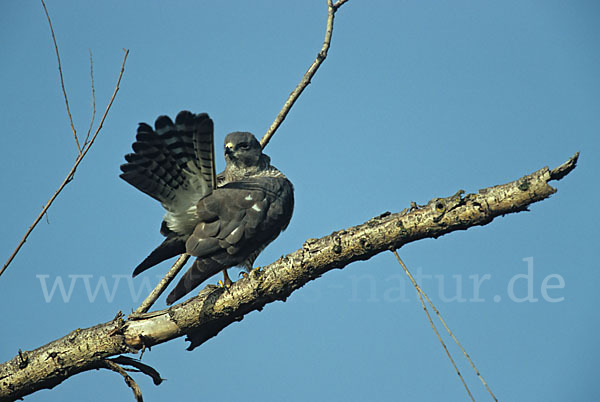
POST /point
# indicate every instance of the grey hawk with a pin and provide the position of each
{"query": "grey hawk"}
(224, 220)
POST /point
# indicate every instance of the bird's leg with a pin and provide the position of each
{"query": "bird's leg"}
(226, 281)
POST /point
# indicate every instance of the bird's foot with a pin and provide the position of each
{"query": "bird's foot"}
(226, 282)
(254, 272)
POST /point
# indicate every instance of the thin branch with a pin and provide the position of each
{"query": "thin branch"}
(140, 367)
(205, 315)
(87, 136)
(439, 316)
(338, 4)
(110, 102)
(321, 56)
(62, 82)
(162, 285)
(111, 365)
(71, 173)
(421, 293)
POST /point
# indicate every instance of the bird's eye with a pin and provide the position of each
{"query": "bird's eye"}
(243, 145)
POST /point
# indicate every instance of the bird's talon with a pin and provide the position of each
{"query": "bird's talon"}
(227, 282)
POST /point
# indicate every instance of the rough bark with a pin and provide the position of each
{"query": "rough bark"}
(205, 315)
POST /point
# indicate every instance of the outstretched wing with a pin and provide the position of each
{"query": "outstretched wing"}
(237, 221)
(174, 164)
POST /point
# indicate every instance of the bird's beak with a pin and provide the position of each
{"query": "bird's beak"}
(229, 148)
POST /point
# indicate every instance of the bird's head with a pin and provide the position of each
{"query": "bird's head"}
(242, 149)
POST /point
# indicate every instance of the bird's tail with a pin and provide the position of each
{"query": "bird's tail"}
(201, 270)
(172, 246)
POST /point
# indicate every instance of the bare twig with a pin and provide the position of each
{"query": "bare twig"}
(71, 173)
(162, 285)
(87, 136)
(338, 4)
(422, 292)
(111, 365)
(62, 82)
(332, 8)
(140, 367)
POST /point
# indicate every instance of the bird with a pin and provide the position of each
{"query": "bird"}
(223, 220)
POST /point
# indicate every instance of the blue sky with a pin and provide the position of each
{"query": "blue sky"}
(416, 100)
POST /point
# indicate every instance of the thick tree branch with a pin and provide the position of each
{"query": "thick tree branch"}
(205, 315)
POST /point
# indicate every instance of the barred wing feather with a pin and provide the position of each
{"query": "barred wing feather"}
(174, 164)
